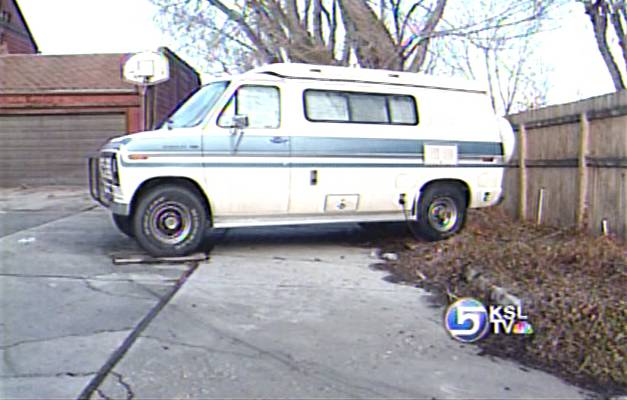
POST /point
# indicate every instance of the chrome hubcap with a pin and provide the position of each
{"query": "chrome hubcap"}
(171, 222)
(442, 214)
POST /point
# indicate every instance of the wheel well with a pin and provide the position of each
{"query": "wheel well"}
(454, 182)
(185, 182)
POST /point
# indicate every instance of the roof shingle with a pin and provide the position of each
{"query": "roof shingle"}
(33, 73)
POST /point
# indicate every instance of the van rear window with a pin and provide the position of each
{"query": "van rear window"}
(369, 108)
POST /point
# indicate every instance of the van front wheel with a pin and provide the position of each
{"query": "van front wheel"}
(441, 212)
(170, 221)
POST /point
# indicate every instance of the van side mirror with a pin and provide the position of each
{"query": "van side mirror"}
(240, 121)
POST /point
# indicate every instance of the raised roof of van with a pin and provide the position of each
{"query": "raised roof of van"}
(364, 75)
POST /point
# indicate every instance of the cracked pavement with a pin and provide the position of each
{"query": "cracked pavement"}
(64, 307)
(296, 312)
(292, 312)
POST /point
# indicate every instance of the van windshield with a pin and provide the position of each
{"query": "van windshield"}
(192, 112)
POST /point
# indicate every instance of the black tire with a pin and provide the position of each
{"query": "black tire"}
(170, 220)
(124, 223)
(441, 211)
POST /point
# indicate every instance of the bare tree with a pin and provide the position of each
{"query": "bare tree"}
(504, 55)
(391, 34)
(314, 31)
(609, 17)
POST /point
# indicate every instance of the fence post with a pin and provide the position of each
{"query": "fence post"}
(522, 172)
(582, 173)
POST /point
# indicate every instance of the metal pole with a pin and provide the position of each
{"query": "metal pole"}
(144, 103)
(153, 106)
(604, 228)
(540, 204)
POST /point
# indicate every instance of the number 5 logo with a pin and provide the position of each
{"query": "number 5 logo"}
(466, 320)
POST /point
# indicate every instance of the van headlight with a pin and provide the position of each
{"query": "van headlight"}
(115, 178)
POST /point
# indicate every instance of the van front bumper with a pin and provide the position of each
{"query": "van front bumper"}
(101, 189)
(120, 209)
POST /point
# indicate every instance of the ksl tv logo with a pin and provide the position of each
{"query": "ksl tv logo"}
(468, 320)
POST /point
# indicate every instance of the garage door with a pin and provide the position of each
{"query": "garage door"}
(52, 149)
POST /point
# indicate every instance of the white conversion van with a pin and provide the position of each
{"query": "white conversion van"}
(304, 144)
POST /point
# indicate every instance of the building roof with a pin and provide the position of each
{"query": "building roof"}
(36, 73)
(16, 35)
(26, 28)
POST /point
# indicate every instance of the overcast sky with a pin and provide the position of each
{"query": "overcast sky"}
(111, 26)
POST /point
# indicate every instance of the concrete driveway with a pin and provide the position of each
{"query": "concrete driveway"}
(64, 307)
(282, 312)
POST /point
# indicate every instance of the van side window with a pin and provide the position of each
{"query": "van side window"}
(373, 108)
(368, 108)
(260, 103)
(402, 110)
(326, 106)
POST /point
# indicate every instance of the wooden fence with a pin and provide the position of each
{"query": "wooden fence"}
(570, 165)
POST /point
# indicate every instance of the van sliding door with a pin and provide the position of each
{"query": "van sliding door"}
(351, 153)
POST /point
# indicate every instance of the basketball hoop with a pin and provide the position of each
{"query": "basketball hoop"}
(146, 69)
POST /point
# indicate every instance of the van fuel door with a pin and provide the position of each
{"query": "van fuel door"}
(341, 202)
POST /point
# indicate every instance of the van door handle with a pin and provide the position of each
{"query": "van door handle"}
(279, 139)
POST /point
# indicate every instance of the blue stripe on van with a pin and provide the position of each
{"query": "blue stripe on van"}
(309, 146)
(210, 164)
(315, 146)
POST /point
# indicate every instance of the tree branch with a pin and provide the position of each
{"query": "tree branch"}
(427, 31)
(597, 12)
(618, 17)
(239, 19)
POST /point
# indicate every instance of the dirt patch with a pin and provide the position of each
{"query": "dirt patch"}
(572, 285)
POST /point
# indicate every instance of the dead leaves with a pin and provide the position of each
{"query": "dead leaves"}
(573, 285)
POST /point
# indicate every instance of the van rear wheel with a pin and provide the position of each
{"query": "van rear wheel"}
(441, 211)
(170, 220)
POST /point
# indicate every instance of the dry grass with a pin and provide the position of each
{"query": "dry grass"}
(573, 287)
